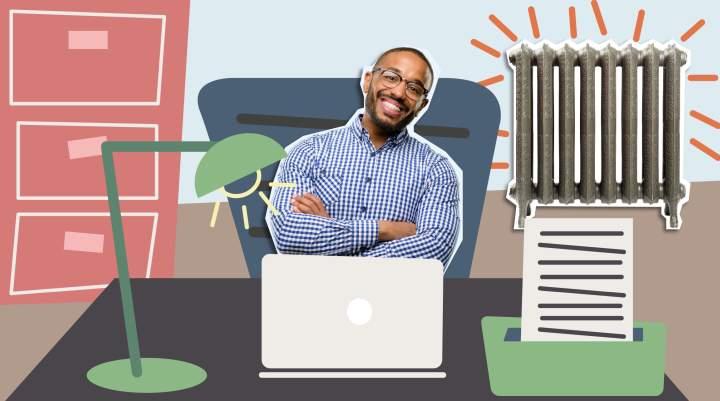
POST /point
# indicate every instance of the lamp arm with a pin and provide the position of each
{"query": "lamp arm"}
(108, 148)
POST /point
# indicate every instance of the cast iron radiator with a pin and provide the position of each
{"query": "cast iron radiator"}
(547, 178)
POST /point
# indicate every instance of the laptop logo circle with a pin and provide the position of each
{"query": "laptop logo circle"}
(359, 311)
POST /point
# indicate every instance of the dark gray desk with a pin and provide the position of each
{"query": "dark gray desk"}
(216, 324)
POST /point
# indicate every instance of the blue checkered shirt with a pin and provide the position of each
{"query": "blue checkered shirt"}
(404, 180)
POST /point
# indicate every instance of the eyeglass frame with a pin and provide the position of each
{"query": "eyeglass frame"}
(382, 70)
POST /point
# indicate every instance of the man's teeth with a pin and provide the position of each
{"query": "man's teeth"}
(392, 106)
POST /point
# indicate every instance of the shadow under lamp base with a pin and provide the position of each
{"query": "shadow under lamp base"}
(159, 375)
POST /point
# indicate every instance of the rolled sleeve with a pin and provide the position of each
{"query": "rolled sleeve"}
(365, 233)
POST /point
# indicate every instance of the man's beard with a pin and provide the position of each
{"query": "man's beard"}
(385, 127)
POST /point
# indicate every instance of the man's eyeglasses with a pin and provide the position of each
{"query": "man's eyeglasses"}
(391, 79)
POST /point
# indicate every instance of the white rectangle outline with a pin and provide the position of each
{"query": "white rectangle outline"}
(156, 102)
(18, 124)
(12, 291)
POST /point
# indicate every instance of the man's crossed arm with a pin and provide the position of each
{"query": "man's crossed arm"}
(309, 203)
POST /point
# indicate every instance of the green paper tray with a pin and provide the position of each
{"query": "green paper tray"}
(539, 368)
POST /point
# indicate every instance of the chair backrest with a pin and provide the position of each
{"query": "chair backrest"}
(462, 119)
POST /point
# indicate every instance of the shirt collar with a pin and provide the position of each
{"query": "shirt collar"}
(361, 132)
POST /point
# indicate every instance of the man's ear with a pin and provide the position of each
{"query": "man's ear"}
(366, 82)
(424, 103)
(420, 107)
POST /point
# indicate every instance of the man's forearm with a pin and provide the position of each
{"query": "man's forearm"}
(309, 234)
(393, 230)
(436, 243)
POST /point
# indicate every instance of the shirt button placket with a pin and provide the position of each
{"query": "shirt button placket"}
(367, 190)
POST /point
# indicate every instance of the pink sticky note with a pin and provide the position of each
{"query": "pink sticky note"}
(84, 242)
(87, 40)
(86, 147)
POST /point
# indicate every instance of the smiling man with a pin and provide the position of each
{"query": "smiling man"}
(371, 187)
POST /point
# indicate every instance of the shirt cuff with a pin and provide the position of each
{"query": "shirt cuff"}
(364, 234)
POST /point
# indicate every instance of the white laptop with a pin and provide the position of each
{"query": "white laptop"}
(324, 316)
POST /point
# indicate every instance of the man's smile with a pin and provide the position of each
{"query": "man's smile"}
(391, 107)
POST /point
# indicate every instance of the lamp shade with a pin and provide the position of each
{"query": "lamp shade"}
(234, 158)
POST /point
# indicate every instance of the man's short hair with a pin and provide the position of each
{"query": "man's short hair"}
(411, 50)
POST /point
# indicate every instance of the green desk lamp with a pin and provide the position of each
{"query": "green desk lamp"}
(224, 162)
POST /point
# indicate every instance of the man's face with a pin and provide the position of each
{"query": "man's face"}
(391, 109)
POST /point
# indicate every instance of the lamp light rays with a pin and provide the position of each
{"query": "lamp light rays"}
(245, 194)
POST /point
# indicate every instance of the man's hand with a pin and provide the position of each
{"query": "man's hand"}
(309, 204)
(392, 230)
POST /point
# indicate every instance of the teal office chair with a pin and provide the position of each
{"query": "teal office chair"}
(462, 118)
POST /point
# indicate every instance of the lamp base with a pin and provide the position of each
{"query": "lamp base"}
(159, 375)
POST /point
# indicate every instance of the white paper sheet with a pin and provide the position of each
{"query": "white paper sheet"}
(577, 280)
